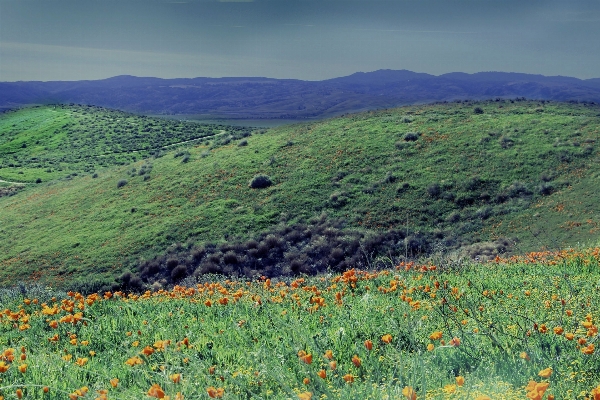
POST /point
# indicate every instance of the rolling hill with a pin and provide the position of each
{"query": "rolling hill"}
(115, 205)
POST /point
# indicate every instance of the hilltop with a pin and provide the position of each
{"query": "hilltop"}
(475, 178)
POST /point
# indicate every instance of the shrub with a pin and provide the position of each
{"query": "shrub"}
(478, 110)
(121, 183)
(506, 142)
(243, 143)
(411, 136)
(38, 180)
(434, 190)
(260, 182)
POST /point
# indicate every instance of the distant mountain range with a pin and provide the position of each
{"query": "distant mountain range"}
(257, 98)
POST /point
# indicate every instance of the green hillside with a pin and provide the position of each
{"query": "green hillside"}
(473, 177)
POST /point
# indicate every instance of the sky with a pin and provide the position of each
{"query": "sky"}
(299, 39)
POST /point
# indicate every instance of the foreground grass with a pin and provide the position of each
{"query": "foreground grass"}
(499, 326)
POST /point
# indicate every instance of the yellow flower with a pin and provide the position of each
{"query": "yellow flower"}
(545, 373)
(23, 368)
(176, 378)
(114, 382)
(460, 380)
(386, 339)
(430, 347)
(305, 396)
(436, 335)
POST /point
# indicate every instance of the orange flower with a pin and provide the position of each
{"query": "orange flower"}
(430, 347)
(208, 303)
(386, 339)
(176, 378)
(409, 393)
(333, 365)
(306, 381)
(81, 361)
(558, 330)
(156, 391)
(569, 336)
(179, 396)
(436, 335)
(147, 350)
(134, 361)
(455, 342)
(588, 349)
(524, 356)
(349, 378)
(545, 373)
(328, 354)
(596, 393)
(322, 374)
(53, 324)
(114, 382)
(23, 368)
(211, 370)
(46, 389)
(215, 393)
(4, 367)
(305, 396)
(368, 345)
(356, 361)
(306, 359)
(19, 394)
(460, 380)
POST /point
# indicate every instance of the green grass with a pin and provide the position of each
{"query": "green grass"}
(468, 178)
(504, 314)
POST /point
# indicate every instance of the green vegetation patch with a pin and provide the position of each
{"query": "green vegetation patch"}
(427, 179)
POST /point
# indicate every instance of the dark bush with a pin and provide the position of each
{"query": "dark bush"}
(506, 142)
(38, 180)
(260, 182)
(434, 190)
(411, 137)
(121, 183)
(478, 110)
(178, 273)
(545, 189)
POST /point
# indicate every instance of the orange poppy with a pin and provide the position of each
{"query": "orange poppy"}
(215, 393)
(369, 345)
(156, 391)
(409, 393)
(386, 339)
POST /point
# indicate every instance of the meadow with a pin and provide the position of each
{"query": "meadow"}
(125, 201)
(515, 328)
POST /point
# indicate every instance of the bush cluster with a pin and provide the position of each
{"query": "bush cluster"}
(320, 245)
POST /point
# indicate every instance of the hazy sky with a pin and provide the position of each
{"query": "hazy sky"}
(303, 39)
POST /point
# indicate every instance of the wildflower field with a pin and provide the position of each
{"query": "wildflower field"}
(518, 328)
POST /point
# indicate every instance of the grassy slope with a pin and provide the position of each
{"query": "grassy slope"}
(356, 167)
